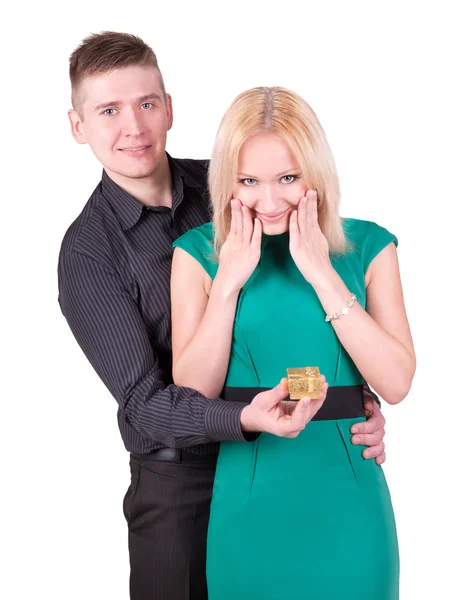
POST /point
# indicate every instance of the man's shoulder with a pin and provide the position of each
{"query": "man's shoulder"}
(194, 171)
(84, 235)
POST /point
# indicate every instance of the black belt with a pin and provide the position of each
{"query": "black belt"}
(342, 401)
(176, 455)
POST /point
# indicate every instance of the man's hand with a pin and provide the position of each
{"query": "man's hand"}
(371, 432)
(269, 413)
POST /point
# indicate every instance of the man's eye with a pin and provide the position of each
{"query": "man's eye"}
(249, 181)
(288, 178)
(109, 111)
(147, 105)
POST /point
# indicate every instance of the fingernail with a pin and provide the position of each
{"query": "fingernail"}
(368, 454)
(356, 440)
(355, 430)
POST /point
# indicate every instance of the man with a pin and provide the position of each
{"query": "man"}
(114, 270)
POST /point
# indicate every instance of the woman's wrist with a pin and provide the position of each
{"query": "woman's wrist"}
(223, 288)
(326, 281)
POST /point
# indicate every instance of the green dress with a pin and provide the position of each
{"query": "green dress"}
(305, 518)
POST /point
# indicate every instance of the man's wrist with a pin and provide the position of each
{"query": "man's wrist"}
(223, 421)
(246, 420)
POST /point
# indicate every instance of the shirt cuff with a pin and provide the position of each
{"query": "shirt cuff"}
(223, 421)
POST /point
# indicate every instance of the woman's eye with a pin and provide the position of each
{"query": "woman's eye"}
(249, 181)
(288, 178)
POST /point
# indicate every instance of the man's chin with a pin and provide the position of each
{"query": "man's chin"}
(134, 172)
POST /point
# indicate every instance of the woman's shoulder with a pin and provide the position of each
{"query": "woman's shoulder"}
(198, 235)
(199, 243)
(356, 229)
(367, 238)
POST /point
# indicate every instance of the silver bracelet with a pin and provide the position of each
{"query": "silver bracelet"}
(343, 311)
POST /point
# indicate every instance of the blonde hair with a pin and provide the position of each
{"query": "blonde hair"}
(286, 114)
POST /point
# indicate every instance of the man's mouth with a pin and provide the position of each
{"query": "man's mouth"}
(135, 150)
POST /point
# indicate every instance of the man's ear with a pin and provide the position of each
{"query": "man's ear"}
(77, 129)
(169, 111)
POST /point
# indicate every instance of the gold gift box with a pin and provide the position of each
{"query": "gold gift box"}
(304, 381)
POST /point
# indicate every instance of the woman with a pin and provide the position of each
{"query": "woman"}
(281, 280)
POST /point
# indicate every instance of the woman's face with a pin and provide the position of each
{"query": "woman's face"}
(269, 181)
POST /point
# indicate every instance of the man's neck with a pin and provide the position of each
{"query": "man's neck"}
(154, 190)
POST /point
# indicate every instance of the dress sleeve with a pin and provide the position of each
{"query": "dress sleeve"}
(375, 239)
(198, 243)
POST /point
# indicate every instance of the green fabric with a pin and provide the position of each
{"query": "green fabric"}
(306, 518)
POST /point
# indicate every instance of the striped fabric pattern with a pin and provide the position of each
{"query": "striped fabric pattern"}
(114, 290)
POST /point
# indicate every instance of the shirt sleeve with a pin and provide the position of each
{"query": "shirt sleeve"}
(109, 328)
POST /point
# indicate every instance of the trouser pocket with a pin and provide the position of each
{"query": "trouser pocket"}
(132, 489)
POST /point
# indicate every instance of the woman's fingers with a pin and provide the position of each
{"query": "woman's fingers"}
(237, 216)
(302, 214)
(248, 225)
(311, 208)
(233, 221)
(257, 234)
(293, 225)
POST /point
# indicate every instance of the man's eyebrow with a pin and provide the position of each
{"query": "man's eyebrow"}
(111, 103)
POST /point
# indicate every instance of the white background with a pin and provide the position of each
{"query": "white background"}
(381, 78)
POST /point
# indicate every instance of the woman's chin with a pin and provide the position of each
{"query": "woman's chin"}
(275, 228)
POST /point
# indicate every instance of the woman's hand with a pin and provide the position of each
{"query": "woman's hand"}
(240, 253)
(308, 245)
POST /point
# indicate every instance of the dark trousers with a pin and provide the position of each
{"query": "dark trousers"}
(167, 511)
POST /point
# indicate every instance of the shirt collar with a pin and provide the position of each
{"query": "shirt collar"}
(129, 210)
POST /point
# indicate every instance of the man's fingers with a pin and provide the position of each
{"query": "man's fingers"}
(324, 388)
(381, 459)
(267, 400)
(368, 439)
(373, 424)
(373, 451)
(300, 416)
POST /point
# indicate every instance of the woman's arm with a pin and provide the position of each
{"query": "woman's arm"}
(202, 315)
(378, 339)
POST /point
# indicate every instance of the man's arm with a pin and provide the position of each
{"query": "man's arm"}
(109, 328)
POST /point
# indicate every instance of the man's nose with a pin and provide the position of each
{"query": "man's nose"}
(132, 124)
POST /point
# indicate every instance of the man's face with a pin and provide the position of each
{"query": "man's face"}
(124, 117)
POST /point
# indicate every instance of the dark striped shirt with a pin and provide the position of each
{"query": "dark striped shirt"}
(114, 290)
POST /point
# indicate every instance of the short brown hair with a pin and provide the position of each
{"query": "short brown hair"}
(103, 52)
